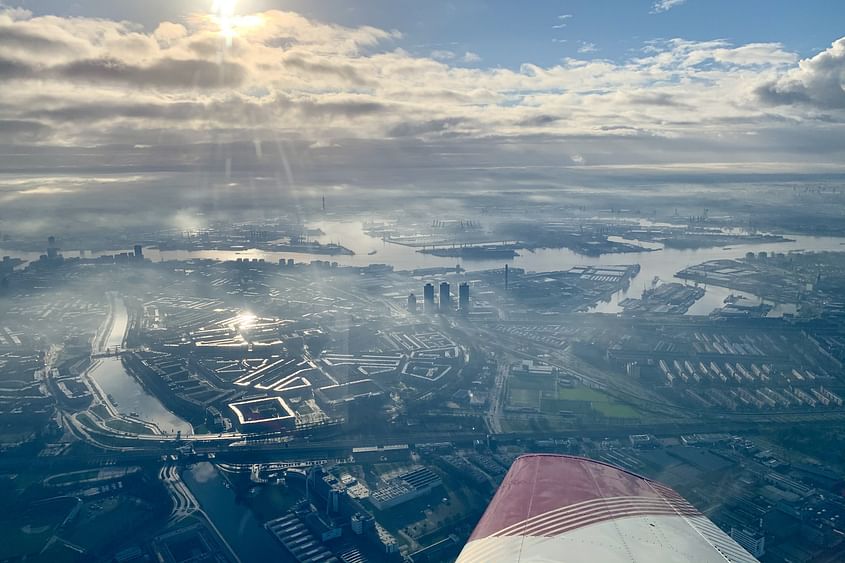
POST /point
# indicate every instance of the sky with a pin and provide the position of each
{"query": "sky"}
(394, 91)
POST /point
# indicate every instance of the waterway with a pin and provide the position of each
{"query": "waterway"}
(663, 263)
(128, 396)
(235, 522)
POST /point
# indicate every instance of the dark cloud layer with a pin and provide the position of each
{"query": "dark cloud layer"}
(167, 73)
(13, 38)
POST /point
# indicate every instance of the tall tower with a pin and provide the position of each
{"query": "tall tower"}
(52, 250)
(463, 298)
(445, 298)
(412, 303)
(506, 277)
(428, 298)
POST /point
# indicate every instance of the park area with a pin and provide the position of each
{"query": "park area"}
(28, 533)
(544, 395)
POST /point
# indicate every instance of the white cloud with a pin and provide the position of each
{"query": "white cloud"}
(470, 57)
(665, 5)
(587, 47)
(562, 19)
(442, 55)
(77, 82)
(817, 82)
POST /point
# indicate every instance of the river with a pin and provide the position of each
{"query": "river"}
(234, 520)
(127, 395)
(662, 264)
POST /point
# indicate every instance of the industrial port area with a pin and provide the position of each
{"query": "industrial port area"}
(236, 395)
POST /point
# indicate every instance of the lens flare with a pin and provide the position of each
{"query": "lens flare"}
(224, 15)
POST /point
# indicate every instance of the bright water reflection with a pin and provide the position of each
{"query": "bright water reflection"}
(124, 391)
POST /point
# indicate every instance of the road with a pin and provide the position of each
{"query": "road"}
(184, 502)
(498, 397)
(341, 448)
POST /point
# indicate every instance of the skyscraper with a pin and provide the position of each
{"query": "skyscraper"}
(445, 298)
(412, 303)
(463, 297)
(52, 250)
(428, 298)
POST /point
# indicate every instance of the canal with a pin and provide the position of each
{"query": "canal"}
(126, 394)
(233, 519)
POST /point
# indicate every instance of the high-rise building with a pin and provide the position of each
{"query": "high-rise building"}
(463, 297)
(52, 251)
(428, 298)
(445, 298)
(412, 303)
(139, 251)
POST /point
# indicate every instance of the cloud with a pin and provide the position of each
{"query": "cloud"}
(817, 82)
(22, 130)
(665, 5)
(324, 66)
(164, 73)
(442, 55)
(179, 96)
(562, 21)
(11, 69)
(587, 47)
(16, 39)
(446, 56)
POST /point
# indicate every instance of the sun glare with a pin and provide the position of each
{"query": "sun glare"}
(231, 25)
(245, 320)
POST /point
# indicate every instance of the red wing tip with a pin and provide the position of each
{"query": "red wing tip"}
(538, 484)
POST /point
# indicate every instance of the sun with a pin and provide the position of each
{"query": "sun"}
(224, 15)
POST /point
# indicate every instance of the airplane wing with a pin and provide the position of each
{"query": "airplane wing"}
(555, 508)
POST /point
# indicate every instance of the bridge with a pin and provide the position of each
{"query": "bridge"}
(115, 352)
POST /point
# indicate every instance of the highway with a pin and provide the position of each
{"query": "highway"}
(184, 502)
(342, 447)
(497, 397)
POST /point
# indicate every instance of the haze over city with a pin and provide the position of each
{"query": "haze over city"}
(352, 280)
